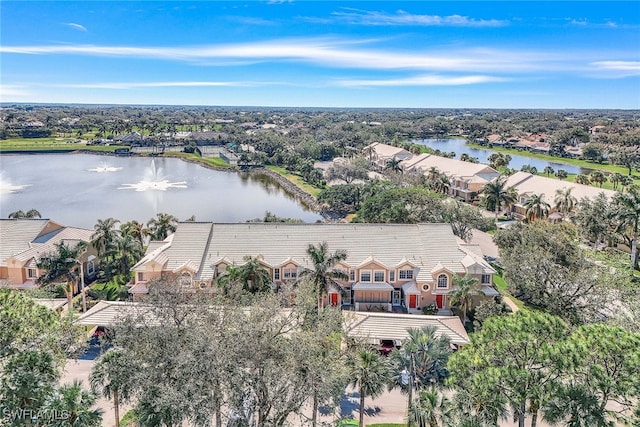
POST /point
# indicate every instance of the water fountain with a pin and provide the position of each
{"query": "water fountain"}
(7, 187)
(104, 167)
(153, 180)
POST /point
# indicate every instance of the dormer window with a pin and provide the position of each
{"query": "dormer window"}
(443, 281)
(406, 274)
(276, 274)
(289, 273)
(185, 280)
(378, 276)
(486, 278)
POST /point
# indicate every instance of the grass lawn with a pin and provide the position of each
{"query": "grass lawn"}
(51, 143)
(297, 180)
(575, 162)
(501, 284)
(213, 161)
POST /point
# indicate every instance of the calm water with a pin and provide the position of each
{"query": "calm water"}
(78, 189)
(460, 146)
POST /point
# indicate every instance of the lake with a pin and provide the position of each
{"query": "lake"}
(78, 189)
(459, 146)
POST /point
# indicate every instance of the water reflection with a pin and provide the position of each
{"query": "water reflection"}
(6, 187)
(153, 179)
(105, 167)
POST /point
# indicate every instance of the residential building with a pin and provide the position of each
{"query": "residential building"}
(527, 185)
(24, 241)
(467, 180)
(381, 154)
(392, 267)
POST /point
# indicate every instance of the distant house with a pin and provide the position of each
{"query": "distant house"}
(392, 267)
(209, 137)
(467, 180)
(128, 139)
(381, 154)
(527, 185)
(24, 241)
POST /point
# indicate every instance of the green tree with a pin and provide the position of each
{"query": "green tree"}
(324, 275)
(251, 276)
(462, 296)
(431, 409)
(76, 404)
(594, 218)
(162, 225)
(463, 219)
(420, 362)
(104, 236)
(136, 230)
(62, 264)
(598, 177)
(513, 357)
(561, 174)
(31, 213)
(536, 207)
(564, 200)
(548, 170)
(496, 195)
(111, 378)
(401, 205)
(616, 179)
(394, 165)
(583, 179)
(627, 214)
(369, 374)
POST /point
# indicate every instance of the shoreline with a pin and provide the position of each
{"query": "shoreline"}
(304, 198)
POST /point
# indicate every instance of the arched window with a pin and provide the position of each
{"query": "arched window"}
(185, 280)
(443, 281)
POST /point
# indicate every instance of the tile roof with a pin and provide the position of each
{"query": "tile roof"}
(451, 167)
(204, 244)
(377, 326)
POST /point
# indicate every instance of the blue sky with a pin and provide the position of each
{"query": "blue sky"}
(418, 54)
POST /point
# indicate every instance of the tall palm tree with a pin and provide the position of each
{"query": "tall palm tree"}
(564, 200)
(561, 174)
(31, 213)
(62, 264)
(583, 179)
(536, 207)
(441, 184)
(548, 170)
(162, 225)
(598, 177)
(76, 404)
(369, 374)
(462, 296)
(495, 195)
(627, 211)
(431, 409)
(136, 230)
(394, 165)
(420, 362)
(616, 179)
(104, 235)
(324, 274)
(111, 377)
(127, 250)
(433, 173)
(254, 277)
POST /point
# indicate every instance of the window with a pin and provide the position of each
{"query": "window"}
(185, 279)
(486, 278)
(443, 281)
(31, 273)
(140, 276)
(276, 274)
(425, 287)
(378, 276)
(352, 275)
(406, 274)
(91, 268)
(392, 275)
(365, 276)
(290, 273)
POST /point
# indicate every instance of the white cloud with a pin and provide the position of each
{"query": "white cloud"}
(13, 93)
(137, 85)
(617, 68)
(363, 17)
(428, 80)
(323, 52)
(75, 26)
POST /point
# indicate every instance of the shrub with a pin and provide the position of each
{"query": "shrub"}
(430, 309)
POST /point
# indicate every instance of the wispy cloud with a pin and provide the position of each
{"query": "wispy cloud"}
(617, 68)
(139, 85)
(76, 26)
(364, 17)
(12, 92)
(323, 52)
(428, 80)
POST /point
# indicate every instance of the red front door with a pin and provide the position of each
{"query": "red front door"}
(334, 299)
(439, 301)
(413, 301)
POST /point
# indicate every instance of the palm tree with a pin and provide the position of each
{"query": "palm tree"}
(324, 274)
(76, 404)
(135, 229)
(564, 200)
(431, 409)
(462, 296)
(548, 170)
(433, 173)
(495, 195)
(583, 179)
(627, 211)
(536, 207)
(394, 165)
(421, 361)
(111, 376)
(62, 264)
(127, 251)
(441, 183)
(162, 225)
(561, 174)
(598, 177)
(369, 373)
(31, 213)
(251, 276)
(104, 235)
(616, 179)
